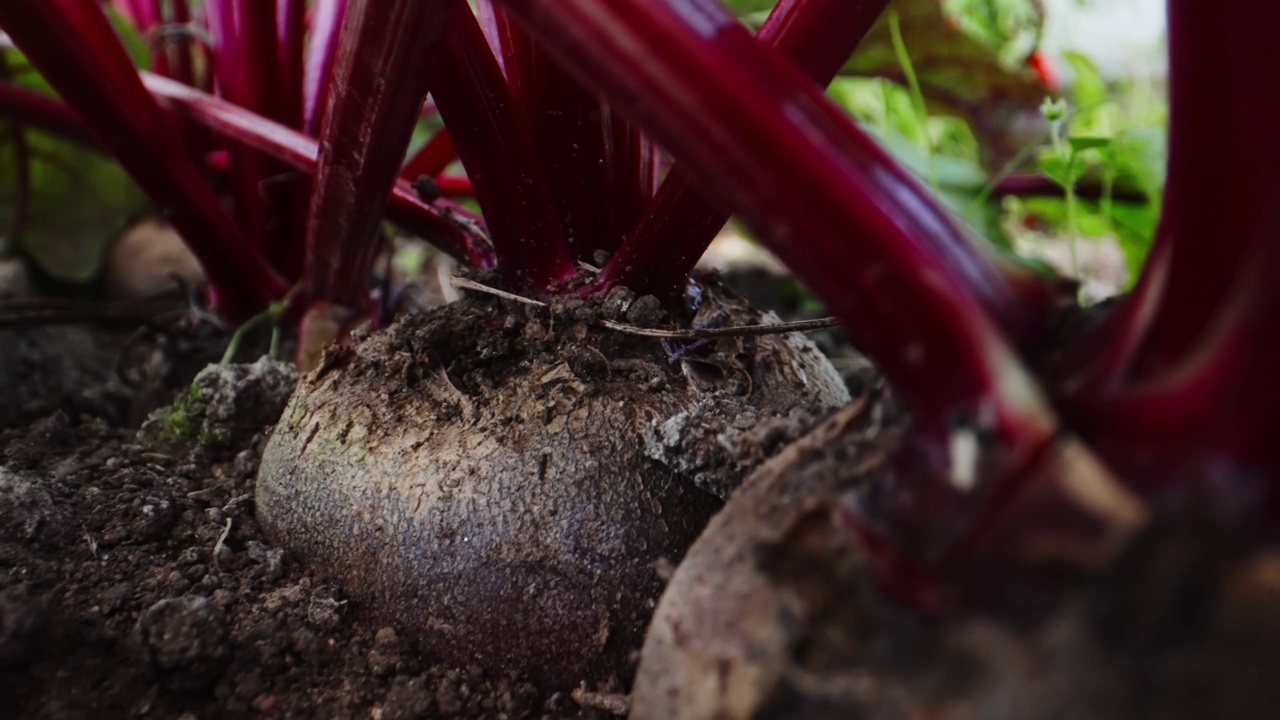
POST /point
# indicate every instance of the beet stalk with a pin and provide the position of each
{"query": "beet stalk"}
(73, 46)
(384, 61)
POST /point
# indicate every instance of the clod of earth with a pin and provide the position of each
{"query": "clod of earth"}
(494, 480)
(226, 404)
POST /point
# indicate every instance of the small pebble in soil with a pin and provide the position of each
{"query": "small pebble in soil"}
(617, 302)
(645, 311)
(25, 507)
(186, 641)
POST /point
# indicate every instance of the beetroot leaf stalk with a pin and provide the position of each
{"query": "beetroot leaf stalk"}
(497, 150)
(1221, 189)
(1224, 180)
(455, 186)
(28, 107)
(384, 61)
(676, 228)
(181, 67)
(599, 170)
(247, 60)
(73, 46)
(450, 227)
(290, 32)
(1187, 384)
(322, 48)
(432, 158)
(1037, 185)
(822, 195)
(1022, 303)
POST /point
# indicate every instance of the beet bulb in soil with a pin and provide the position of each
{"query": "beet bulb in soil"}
(494, 479)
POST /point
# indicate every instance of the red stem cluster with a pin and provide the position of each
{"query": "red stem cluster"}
(552, 107)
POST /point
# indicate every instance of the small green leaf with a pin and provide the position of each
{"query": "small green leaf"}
(79, 201)
(1088, 88)
(959, 75)
(1056, 168)
(1080, 144)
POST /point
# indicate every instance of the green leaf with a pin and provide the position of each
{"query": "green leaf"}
(79, 201)
(1135, 226)
(958, 175)
(1080, 144)
(1088, 88)
(1065, 173)
(959, 75)
(1009, 27)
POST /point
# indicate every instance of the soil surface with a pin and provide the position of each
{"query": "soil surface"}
(135, 580)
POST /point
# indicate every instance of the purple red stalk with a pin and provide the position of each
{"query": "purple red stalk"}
(290, 191)
(496, 149)
(384, 60)
(677, 226)
(859, 231)
(451, 228)
(75, 49)
(1221, 188)
(28, 107)
(455, 186)
(252, 71)
(322, 49)
(1188, 381)
(1037, 185)
(432, 158)
(599, 170)
(181, 67)
(237, 32)
(290, 31)
(1022, 303)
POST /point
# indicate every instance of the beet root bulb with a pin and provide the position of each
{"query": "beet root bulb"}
(486, 477)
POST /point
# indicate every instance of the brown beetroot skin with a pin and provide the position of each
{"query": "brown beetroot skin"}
(479, 478)
(774, 612)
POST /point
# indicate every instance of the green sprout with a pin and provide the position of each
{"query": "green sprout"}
(1065, 164)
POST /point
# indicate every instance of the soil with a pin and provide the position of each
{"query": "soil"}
(135, 580)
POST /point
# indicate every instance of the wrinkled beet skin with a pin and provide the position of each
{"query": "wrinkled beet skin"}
(478, 477)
